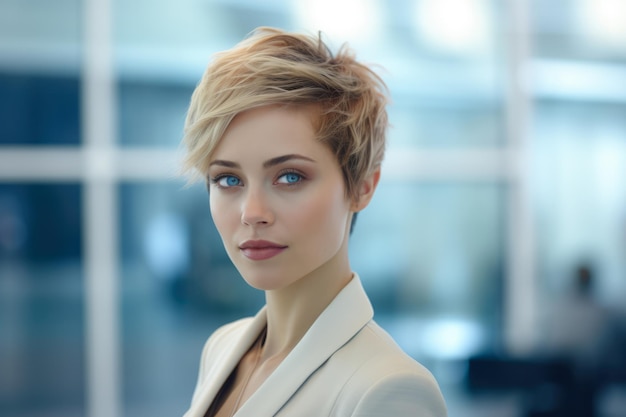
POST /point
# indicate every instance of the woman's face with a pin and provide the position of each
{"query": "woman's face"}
(278, 198)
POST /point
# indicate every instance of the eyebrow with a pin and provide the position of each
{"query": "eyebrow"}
(284, 158)
(267, 164)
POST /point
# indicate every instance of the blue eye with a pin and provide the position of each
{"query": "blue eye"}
(227, 181)
(289, 178)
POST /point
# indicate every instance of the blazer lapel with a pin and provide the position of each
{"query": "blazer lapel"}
(339, 322)
(224, 364)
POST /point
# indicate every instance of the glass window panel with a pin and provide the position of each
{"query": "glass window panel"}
(431, 257)
(445, 72)
(39, 23)
(39, 109)
(152, 114)
(593, 30)
(39, 67)
(178, 285)
(452, 125)
(41, 301)
(580, 162)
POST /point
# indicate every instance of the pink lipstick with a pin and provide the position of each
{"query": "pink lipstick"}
(259, 250)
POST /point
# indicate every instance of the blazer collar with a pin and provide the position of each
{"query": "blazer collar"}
(344, 317)
(224, 362)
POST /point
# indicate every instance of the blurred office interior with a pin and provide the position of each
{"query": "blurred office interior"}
(494, 251)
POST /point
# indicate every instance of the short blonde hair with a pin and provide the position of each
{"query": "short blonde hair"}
(273, 67)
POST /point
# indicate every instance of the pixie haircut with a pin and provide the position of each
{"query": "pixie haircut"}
(274, 67)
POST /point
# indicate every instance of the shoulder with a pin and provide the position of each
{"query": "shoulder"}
(402, 393)
(386, 381)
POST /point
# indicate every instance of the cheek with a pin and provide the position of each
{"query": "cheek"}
(324, 215)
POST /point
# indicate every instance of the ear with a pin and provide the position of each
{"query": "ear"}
(366, 191)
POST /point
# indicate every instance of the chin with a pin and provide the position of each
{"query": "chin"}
(274, 277)
(266, 275)
(262, 282)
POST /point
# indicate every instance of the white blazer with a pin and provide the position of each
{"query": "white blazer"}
(345, 365)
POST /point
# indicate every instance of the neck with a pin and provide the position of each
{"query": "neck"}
(292, 310)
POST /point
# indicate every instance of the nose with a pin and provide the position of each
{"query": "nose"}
(256, 210)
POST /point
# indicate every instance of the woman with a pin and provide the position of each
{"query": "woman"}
(290, 139)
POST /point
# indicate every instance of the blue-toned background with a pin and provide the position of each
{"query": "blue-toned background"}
(503, 187)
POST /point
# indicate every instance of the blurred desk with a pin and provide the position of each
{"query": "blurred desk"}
(547, 387)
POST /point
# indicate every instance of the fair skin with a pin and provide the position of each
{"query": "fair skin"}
(279, 202)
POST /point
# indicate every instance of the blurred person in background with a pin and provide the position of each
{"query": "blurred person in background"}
(583, 333)
(290, 139)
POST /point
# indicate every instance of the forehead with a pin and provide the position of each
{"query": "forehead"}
(268, 130)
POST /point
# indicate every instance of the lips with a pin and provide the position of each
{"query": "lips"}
(259, 250)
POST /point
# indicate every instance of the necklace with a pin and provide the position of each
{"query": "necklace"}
(257, 356)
